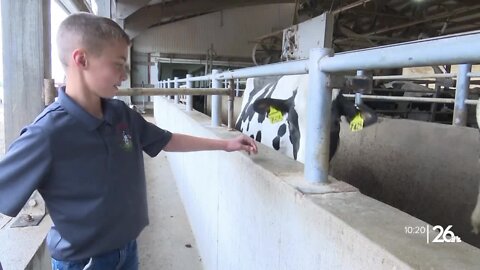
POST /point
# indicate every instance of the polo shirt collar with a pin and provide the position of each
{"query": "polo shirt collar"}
(108, 111)
(81, 114)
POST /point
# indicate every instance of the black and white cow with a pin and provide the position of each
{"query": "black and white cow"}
(274, 113)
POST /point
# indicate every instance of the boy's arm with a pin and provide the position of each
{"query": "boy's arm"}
(23, 168)
(185, 143)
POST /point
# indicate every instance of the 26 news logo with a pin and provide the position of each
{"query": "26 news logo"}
(439, 234)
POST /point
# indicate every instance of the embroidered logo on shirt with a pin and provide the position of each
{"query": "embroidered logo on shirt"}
(127, 142)
(126, 139)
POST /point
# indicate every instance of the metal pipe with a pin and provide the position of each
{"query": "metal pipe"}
(197, 79)
(231, 99)
(461, 94)
(358, 99)
(168, 86)
(160, 85)
(49, 91)
(430, 53)
(165, 86)
(216, 101)
(412, 99)
(172, 91)
(424, 52)
(410, 77)
(423, 76)
(200, 61)
(358, 96)
(473, 74)
(176, 98)
(445, 14)
(433, 106)
(237, 87)
(286, 68)
(318, 120)
(205, 78)
(189, 84)
(350, 6)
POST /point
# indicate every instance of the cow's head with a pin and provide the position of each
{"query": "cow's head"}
(358, 116)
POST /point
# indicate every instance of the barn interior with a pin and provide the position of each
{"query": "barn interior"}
(414, 159)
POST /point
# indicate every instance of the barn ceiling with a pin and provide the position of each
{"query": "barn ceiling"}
(358, 24)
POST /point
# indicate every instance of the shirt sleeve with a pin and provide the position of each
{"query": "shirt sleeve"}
(152, 138)
(23, 168)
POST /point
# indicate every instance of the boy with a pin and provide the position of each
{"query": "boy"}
(83, 154)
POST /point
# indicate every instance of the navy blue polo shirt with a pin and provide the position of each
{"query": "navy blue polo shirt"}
(90, 172)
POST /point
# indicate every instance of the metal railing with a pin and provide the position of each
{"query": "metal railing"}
(322, 63)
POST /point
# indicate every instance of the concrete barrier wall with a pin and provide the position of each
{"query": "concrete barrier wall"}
(24, 247)
(256, 212)
(428, 170)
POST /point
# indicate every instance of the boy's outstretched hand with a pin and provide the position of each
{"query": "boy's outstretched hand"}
(186, 143)
(240, 143)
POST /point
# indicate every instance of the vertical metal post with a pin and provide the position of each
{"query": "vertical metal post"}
(168, 86)
(189, 84)
(175, 85)
(358, 96)
(318, 119)
(463, 84)
(231, 98)
(49, 91)
(237, 87)
(216, 101)
(162, 84)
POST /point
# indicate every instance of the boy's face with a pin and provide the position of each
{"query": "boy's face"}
(106, 71)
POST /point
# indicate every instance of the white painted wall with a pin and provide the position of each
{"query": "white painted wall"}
(230, 31)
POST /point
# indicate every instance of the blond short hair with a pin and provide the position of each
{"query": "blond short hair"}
(88, 31)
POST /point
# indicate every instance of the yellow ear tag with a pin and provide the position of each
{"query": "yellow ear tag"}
(357, 123)
(274, 115)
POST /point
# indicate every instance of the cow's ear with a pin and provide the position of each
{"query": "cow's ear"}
(345, 107)
(369, 115)
(350, 110)
(262, 106)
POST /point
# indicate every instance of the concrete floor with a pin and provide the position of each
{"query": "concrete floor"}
(168, 242)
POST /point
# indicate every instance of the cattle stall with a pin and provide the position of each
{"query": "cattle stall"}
(322, 67)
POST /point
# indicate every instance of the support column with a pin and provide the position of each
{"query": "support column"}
(216, 101)
(358, 95)
(189, 84)
(26, 61)
(176, 98)
(319, 102)
(104, 8)
(461, 94)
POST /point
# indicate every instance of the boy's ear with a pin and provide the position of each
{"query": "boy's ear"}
(80, 58)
